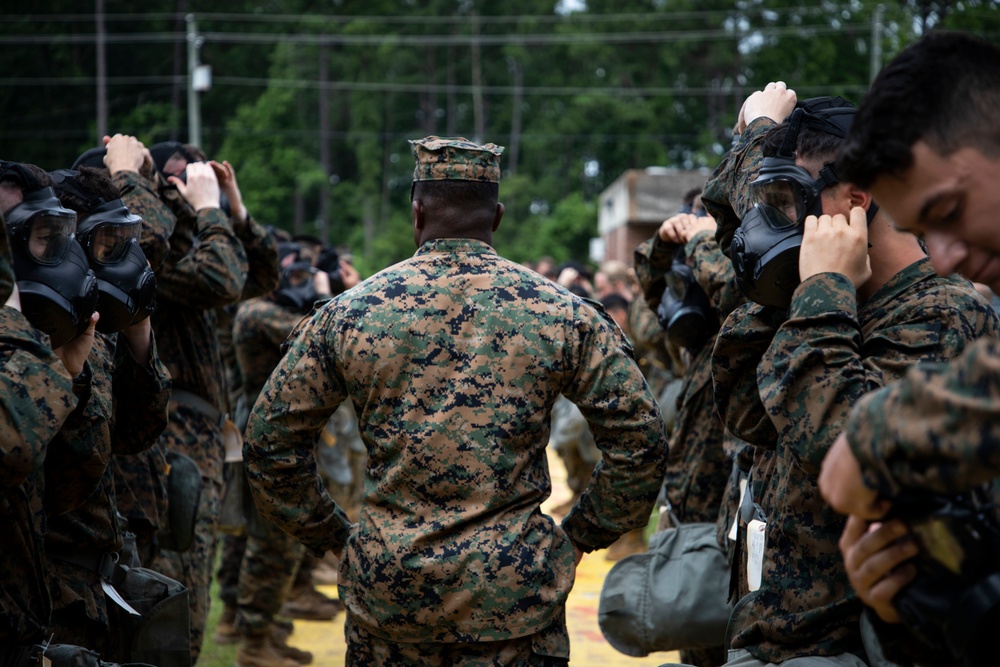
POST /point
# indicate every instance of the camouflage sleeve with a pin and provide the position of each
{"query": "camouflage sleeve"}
(739, 348)
(279, 452)
(652, 260)
(625, 421)
(813, 371)
(725, 196)
(158, 222)
(262, 260)
(936, 429)
(213, 272)
(141, 394)
(714, 272)
(35, 401)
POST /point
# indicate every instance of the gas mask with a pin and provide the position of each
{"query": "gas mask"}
(296, 290)
(127, 287)
(58, 289)
(765, 247)
(685, 311)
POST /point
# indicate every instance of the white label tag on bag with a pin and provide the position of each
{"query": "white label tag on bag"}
(734, 530)
(110, 591)
(755, 552)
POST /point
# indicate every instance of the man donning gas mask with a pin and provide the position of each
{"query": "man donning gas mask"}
(765, 248)
(58, 290)
(110, 238)
(685, 311)
(296, 290)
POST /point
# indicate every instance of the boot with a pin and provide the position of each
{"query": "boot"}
(309, 604)
(282, 629)
(632, 542)
(256, 651)
(279, 642)
(225, 630)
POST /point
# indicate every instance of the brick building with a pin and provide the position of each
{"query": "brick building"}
(632, 208)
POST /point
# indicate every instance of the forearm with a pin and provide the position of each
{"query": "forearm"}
(895, 432)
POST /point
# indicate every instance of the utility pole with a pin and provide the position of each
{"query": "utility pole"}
(102, 75)
(477, 82)
(325, 160)
(194, 104)
(876, 44)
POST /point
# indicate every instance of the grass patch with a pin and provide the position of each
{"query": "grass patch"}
(212, 654)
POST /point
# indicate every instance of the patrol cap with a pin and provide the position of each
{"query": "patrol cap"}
(457, 159)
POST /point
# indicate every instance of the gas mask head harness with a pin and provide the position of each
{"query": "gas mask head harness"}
(161, 154)
(109, 236)
(58, 290)
(765, 248)
(685, 311)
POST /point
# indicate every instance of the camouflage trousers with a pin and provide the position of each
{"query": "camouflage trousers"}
(231, 549)
(742, 658)
(255, 574)
(192, 433)
(546, 648)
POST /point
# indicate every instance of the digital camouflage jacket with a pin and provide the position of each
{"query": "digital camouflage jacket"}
(453, 360)
(814, 365)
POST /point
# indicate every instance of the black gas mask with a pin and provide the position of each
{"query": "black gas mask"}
(685, 311)
(953, 602)
(296, 290)
(110, 238)
(127, 287)
(58, 290)
(765, 247)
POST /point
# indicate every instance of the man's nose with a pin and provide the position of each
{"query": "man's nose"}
(946, 252)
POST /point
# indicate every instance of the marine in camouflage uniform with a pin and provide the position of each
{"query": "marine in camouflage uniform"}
(141, 479)
(214, 260)
(453, 360)
(811, 364)
(701, 452)
(35, 400)
(81, 504)
(271, 556)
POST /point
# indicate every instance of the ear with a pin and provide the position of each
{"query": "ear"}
(499, 216)
(419, 221)
(417, 211)
(859, 197)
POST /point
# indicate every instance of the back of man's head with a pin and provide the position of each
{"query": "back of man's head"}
(455, 199)
(943, 90)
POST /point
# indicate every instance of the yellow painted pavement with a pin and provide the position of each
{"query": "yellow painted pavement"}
(588, 648)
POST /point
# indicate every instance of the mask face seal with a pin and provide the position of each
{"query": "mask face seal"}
(765, 247)
(685, 311)
(58, 290)
(127, 286)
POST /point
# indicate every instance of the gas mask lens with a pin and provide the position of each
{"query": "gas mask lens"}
(783, 196)
(109, 242)
(50, 236)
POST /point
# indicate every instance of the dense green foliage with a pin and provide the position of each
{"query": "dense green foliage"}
(577, 92)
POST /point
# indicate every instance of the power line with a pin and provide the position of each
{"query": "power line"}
(456, 19)
(392, 87)
(542, 39)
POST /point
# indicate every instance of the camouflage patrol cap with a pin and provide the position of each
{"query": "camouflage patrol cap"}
(458, 159)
